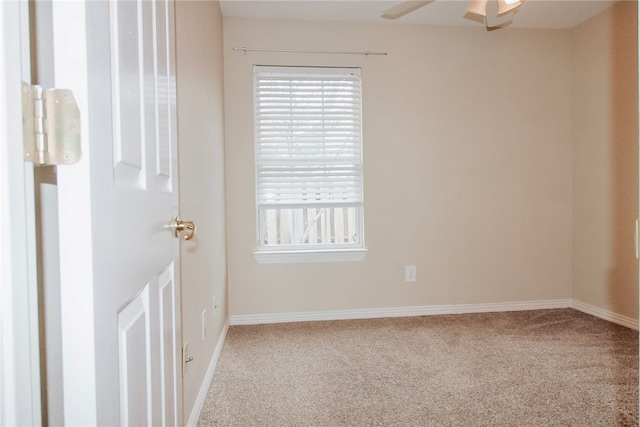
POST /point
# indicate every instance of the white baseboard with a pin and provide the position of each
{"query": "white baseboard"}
(605, 314)
(206, 382)
(370, 313)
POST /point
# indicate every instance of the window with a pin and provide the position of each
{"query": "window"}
(308, 148)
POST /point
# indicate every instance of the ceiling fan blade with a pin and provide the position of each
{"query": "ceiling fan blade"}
(497, 22)
(403, 8)
(477, 11)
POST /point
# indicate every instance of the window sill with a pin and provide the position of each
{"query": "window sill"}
(309, 256)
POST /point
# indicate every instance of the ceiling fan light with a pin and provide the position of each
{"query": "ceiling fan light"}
(477, 11)
(507, 6)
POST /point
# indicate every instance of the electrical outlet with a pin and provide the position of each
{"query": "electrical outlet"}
(204, 323)
(409, 273)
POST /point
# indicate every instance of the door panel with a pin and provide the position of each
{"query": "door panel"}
(168, 346)
(163, 150)
(128, 95)
(134, 335)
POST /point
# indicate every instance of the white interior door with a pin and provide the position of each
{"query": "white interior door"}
(119, 266)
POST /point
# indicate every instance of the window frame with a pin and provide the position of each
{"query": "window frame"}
(319, 252)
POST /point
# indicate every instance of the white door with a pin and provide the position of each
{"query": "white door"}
(119, 267)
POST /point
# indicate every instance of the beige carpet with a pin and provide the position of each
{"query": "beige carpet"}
(528, 368)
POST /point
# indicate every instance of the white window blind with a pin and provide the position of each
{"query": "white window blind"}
(308, 154)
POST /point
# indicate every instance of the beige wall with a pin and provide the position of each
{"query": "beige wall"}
(202, 196)
(605, 160)
(467, 151)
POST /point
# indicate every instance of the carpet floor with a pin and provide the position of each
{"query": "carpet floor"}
(527, 368)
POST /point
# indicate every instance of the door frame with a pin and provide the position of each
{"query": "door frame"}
(20, 401)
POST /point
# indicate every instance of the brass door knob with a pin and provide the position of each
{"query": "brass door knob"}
(179, 226)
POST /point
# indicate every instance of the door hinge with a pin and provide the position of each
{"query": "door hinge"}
(51, 126)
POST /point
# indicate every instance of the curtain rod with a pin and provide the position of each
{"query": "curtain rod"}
(245, 50)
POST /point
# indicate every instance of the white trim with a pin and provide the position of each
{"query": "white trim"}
(20, 402)
(604, 314)
(206, 382)
(297, 257)
(370, 313)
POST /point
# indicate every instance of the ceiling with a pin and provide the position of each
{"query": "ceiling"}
(549, 14)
